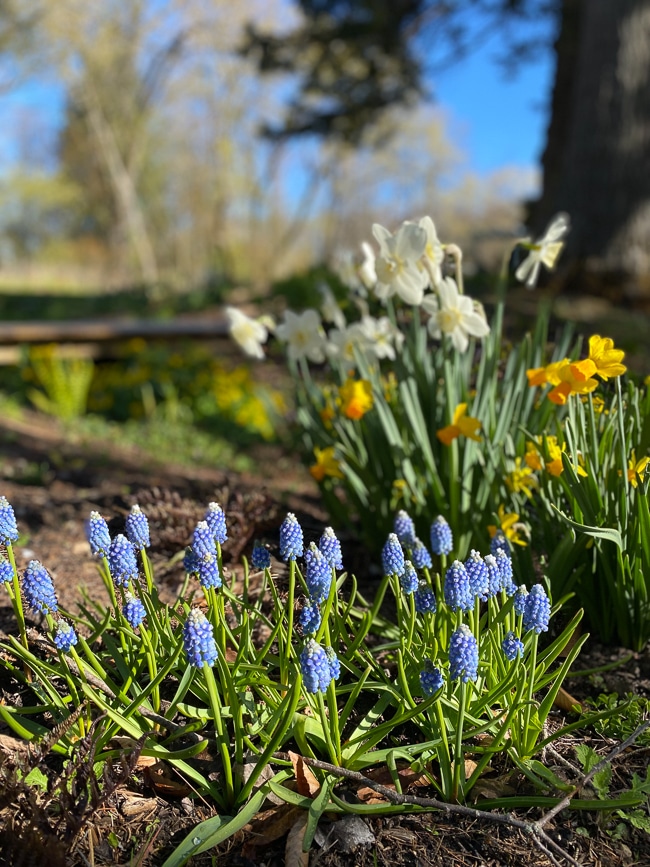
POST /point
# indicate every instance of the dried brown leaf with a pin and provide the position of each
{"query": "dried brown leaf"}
(293, 854)
(272, 824)
(308, 785)
(567, 703)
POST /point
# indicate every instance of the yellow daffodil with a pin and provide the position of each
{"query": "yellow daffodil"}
(636, 469)
(356, 398)
(326, 464)
(548, 374)
(574, 378)
(605, 358)
(553, 464)
(521, 479)
(597, 402)
(510, 525)
(461, 425)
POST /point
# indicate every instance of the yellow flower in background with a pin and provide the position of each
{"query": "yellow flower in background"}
(605, 358)
(510, 525)
(533, 458)
(356, 398)
(548, 374)
(326, 464)
(597, 402)
(636, 469)
(553, 464)
(646, 381)
(461, 425)
(574, 378)
(521, 480)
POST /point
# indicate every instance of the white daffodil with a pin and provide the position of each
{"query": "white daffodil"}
(367, 271)
(303, 334)
(330, 307)
(544, 251)
(433, 252)
(382, 336)
(250, 334)
(342, 342)
(398, 264)
(455, 315)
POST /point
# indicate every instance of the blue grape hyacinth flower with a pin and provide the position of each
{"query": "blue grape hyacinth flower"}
(98, 536)
(425, 599)
(537, 610)
(457, 588)
(203, 540)
(409, 580)
(39, 589)
(198, 639)
(392, 556)
(330, 548)
(463, 655)
(519, 602)
(441, 537)
(191, 561)
(133, 610)
(479, 579)
(335, 665)
(291, 538)
(318, 573)
(260, 557)
(315, 667)
(420, 556)
(512, 646)
(65, 637)
(431, 678)
(136, 527)
(309, 618)
(404, 528)
(499, 543)
(215, 518)
(6, 571)
(8, 527)
(495, 578)
(208, 571)
(122, 561)
(505, 568)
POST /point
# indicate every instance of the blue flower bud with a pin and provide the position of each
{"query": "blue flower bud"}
(98, 536)
(499, 543)
(409, 580)
(208, 571)
(291, 541)
(215, 518)
(39, 589)
(203, 540)
(318, 574)
(65, 637)
(479, 580)
(6, 571)
(335, 665)
(441, 539)
(404, 528)
(137, 528)
(420, 556)
(505, 568)
(198, 639)
(456, 590)
(519, 602)
(431, 678)
(463, 655)
(8, 526)
(330, 548)
(133, 610)
(122, 561)
(512, 646)
(392, 556)
(310, 618)
(424, 599)
(495, 579)
(537, 610)
(191, 562)
(315, 667)
(260, 557)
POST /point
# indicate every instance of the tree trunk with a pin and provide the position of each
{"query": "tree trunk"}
(596, 165)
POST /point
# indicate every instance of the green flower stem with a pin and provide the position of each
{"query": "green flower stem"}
(459, 759)
(236, 708)
(17, 601)
(325, 725)
(107, 578)
(222, 740)
(335, 732)
(146, 565)
(379, 596)
(532, 664)
(286, 652)
(444, 756)
(151, 665)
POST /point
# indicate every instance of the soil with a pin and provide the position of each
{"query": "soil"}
(53, 483)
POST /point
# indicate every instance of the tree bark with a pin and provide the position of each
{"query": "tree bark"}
(596, 165)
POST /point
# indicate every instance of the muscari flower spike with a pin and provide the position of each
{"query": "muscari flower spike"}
(479, 579)
(504, 564)
(404, 528)
(215, 518)
(420, 556)
(309, 618)
(6, 571)
(441, 538)
(424, 599)
(495, 577)
(65, 637)
(260, 557)
(409, 580)
(330, 548)
(133, 610)
(463, 655)
(537, 610)
(208, 571)
(136, 527)
(431, 678)
(315, 667)
(122, 561)
(318, 574)
(198, 639)
(392, 556)
(8, 527)
(499, 543)
(191, 561)
(98, 536)
(512, 646)
(203, 540)
(335, 665)
(291, 540)
(39, 589)
(519, 602)
(457, 589)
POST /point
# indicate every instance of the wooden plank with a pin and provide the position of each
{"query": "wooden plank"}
(106, 329)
